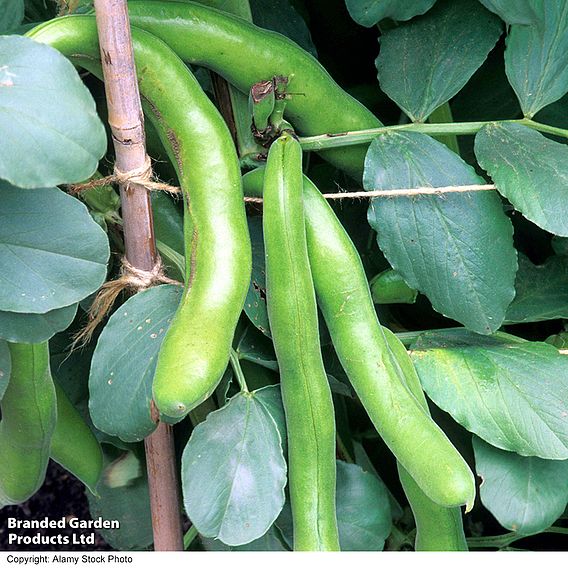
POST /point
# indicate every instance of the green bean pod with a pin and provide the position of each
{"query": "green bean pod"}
(195, 350)
(345, 301)
(28, 421)
(437, 528)
(292, 312)
(389, 287)
(245, 54)
(74, 446)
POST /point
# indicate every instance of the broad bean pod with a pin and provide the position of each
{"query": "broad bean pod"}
(74, 446)
(245, 54)
(28, 421)
(195, 350)
(345, 300)
(292, 312)
(437, 528)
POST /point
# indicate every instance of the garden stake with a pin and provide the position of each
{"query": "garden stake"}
(126, 121)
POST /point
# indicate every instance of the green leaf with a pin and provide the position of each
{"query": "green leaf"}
(282, 17)
(271, 398)
(130, 506)
(168, 221)
(510, 392)
(51, 133)
(257, 348)
(455, 248)
(52, 253)
(542, 293)
(370, 12)
(525, 494)
(255, 303)
(363, 460)
(234, 472)
(71, 368)
(513, 11)
(35, 328)
(5, 367)
(424, 63)
(122, 370)
(363, 509)
(11, 14)
(536, 57)
(268, 542)
(530, 170)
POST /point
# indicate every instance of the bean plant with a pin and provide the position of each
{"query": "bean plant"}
(358, 333)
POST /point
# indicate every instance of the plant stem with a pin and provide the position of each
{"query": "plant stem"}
(238, 370)
(443, 114)
(189, 537)
(125, 120)
(557, 530)
(503, 540)
(341, 139)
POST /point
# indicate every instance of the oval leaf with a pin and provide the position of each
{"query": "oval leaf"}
(525, 494)
(257, 348)
(268, 542)
(122, 370)
(424, 63)
(510, 392)
(52, 253)
(5, 367)
(363, 509)
(11, 14)
(542, 293)
(35, 328)
(51, 133)
(455, 248)
(234, 472)
(370, 12)
(536, 58)
(513, 11)
(530, 170)
(271, 398)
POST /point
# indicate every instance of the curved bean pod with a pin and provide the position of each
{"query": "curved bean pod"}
(437, 528)
(245, 54)
(345, 300)
(195, 350)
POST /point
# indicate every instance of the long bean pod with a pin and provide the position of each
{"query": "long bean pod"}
(245, 54)
(28, 421)
(437, 528)
(345, 300)
(74, 446)
(292, 313)
(195, 350)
